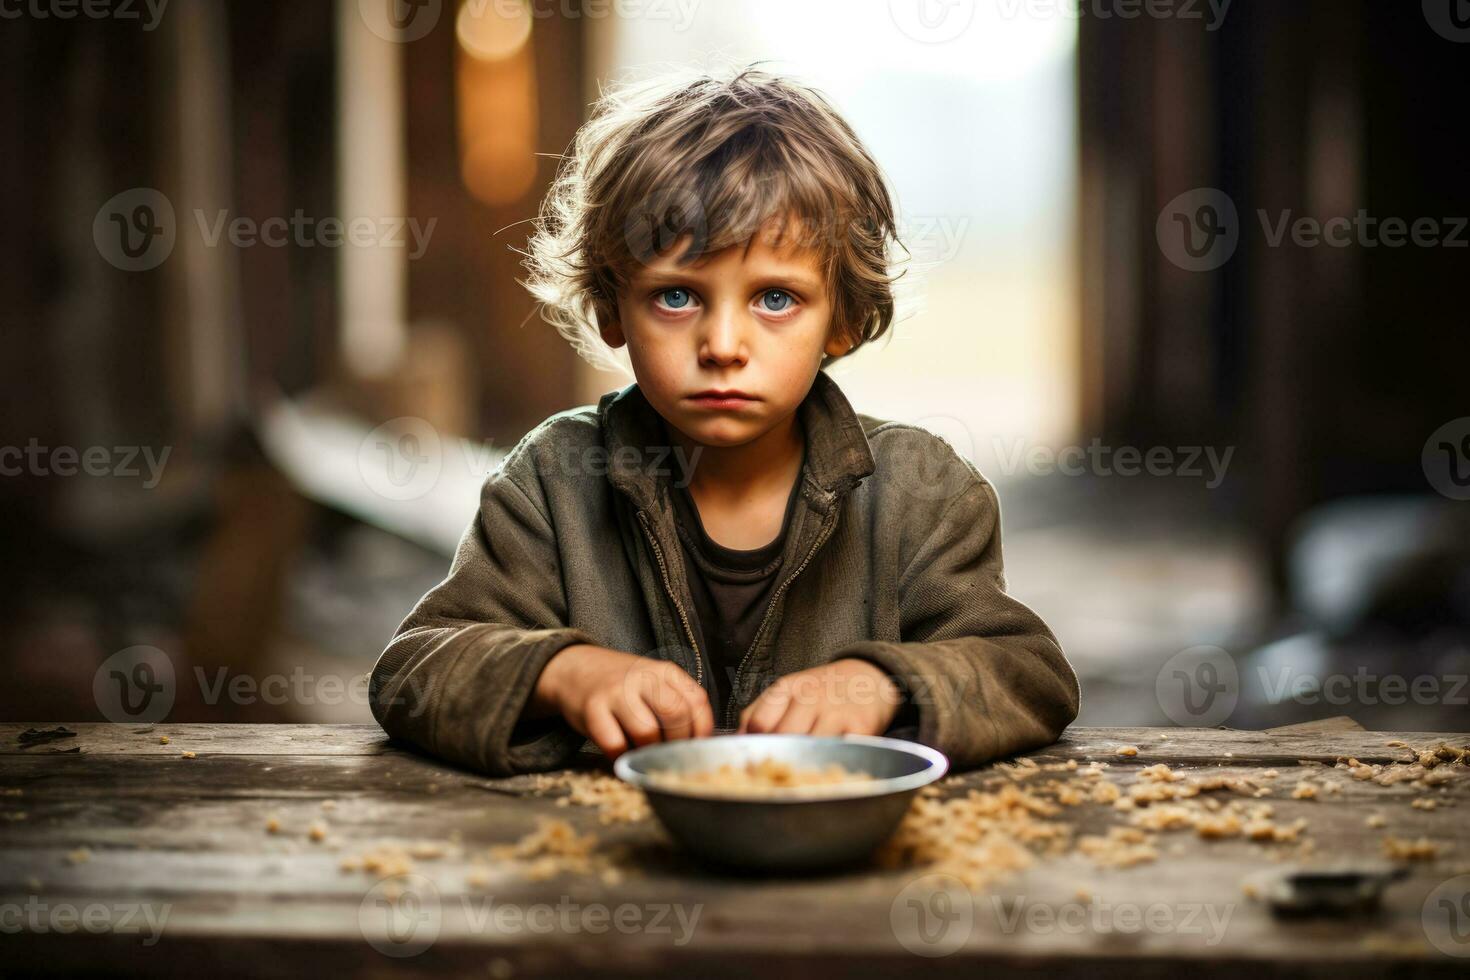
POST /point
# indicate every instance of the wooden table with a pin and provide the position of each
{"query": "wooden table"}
(185, 838)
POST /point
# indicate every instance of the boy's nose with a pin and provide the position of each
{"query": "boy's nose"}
(723, 339)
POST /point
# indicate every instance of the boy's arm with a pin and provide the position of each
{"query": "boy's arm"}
(985, 673)
(457, 676)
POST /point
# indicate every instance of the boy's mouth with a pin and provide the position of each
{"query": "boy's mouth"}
(722, 400)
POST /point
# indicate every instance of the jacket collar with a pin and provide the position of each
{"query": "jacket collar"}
(838, 454)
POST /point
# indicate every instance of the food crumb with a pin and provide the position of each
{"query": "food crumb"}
(186, 754)
(1304, 791)
(79, 856)
(553, 848)
(1401, 849)
(1159, 773)
(272, 824)
(1123, 847)
(384, 859)
(163, 740)
(1376, 820)
(1127, 750)
(1217, 827)
(317, 831)
(329, 804)
(615, 800)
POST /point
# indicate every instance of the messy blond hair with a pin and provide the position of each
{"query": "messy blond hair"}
(714, 157)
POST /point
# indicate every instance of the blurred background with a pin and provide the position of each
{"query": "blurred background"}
(1191, 292)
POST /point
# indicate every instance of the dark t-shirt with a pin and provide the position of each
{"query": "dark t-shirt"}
(732, 588)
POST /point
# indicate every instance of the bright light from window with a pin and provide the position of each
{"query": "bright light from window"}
(994, 41)
(973, 121)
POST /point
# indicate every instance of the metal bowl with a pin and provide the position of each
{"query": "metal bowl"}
(789, 830)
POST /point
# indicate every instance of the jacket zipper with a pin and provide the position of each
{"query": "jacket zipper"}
(668, 587)
(827, 526)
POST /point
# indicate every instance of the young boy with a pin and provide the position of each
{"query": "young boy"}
(724, 545)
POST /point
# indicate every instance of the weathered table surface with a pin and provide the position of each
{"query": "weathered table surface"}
(181, 843)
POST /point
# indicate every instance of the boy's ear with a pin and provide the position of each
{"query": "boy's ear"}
(612, 333)
(838, 343)
(609, 326)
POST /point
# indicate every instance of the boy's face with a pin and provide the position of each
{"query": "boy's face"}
(753, 319)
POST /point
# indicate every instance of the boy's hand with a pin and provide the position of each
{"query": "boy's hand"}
(847, 696)
(615, 698)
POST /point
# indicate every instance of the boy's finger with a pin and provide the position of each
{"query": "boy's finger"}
(639, 707)
(657, 684)
(767, 711)
(604, 730)
(798, 719)
(702, 715)
(676, 717)
(703, 711)
(638, 721)
(831, 723)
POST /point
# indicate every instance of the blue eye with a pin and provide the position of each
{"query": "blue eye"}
(783, 300)
(680, 300)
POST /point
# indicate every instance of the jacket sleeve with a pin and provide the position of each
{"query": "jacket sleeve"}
(457, 675)
(985, 673)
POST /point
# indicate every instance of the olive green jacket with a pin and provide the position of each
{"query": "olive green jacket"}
(893, 555)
